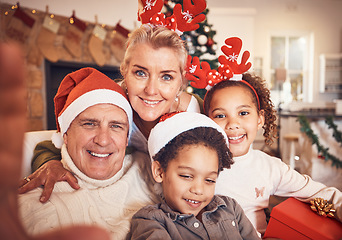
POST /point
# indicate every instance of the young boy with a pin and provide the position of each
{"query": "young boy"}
(188, 152)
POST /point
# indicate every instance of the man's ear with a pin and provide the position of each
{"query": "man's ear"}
(157, 171)
(65, 138)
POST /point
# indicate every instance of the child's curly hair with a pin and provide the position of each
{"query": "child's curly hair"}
(270, 126)
(206, 136)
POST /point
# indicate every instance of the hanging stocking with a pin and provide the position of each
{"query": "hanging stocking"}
(46, 39)
(19, 27)
(73, 37)
(95, 45)
(118, 43)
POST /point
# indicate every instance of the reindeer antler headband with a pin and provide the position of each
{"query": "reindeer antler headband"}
(202, 76)
(180, 21)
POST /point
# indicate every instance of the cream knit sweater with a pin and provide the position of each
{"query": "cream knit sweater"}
(110, 203)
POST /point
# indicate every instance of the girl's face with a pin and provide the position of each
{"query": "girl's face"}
(189, 180)
(234, 110)
(153, 81)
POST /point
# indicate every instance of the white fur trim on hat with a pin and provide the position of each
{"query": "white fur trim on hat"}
(57, 139)
(167, 130)
(89, 99)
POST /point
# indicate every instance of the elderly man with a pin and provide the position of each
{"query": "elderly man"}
(93, 122)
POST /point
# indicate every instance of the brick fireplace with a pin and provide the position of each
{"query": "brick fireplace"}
(49, 61)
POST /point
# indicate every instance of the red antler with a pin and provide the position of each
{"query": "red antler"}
(195, 74)
(149, 9)
(188, 19)
(232, 51)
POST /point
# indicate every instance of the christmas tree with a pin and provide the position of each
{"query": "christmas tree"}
(199, 43)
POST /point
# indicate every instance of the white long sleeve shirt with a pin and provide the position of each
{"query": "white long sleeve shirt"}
(254, 177)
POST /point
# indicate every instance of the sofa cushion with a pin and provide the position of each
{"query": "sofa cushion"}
(30, 141)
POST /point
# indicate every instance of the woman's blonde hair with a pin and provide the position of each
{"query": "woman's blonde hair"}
(157, 37)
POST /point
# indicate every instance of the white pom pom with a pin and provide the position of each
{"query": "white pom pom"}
(57, 139)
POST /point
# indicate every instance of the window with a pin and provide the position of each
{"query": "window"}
(289, 67)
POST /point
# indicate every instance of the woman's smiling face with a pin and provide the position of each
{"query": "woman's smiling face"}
(153, 80)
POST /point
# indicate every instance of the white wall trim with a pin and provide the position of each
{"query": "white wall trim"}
(234, 11)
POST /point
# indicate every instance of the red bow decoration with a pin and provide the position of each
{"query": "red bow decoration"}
(205, 77)
(180, 21)
(168, 115)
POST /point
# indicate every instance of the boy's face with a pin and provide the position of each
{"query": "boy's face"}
(189, 180)
(234, 110)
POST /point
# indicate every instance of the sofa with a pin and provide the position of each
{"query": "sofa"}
(30, 141)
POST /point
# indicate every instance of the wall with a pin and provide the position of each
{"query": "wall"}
(322, 18)
(108, 12)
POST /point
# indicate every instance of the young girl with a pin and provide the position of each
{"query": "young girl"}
(188, 152)
(242, 106)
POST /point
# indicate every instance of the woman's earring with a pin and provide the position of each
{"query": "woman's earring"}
(124, 87)
(177, 97)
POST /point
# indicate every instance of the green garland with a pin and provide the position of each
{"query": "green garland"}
(306, 128)
(336, 134)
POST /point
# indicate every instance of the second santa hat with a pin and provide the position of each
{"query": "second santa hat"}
(171, 125)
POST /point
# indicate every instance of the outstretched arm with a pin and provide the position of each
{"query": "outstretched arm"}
(12, 128)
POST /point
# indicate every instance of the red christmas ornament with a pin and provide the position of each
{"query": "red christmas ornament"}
(210, 42)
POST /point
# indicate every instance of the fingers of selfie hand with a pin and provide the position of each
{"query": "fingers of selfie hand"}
(12, 113)
(76, 232)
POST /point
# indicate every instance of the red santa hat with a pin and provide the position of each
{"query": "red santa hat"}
(82, 89)
(176, 123)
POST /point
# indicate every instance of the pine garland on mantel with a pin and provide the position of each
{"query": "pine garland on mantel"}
(306, 128)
